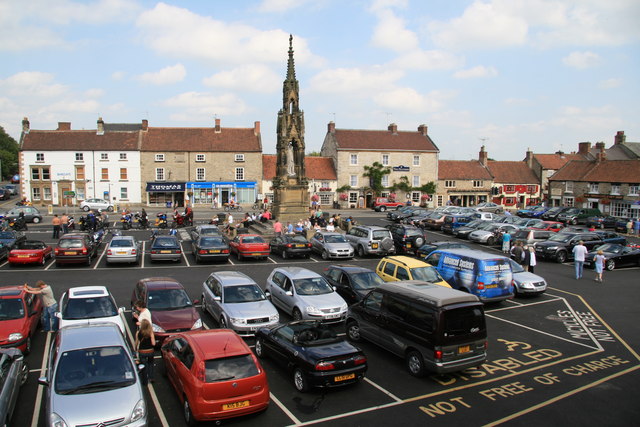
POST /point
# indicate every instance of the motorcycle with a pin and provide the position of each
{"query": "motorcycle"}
(161, 220)
(126, 221)
(232, 207)
(18, 224)
(142, 220)
(72, 223)
(179, 220)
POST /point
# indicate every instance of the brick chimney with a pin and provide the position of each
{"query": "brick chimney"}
(256, 128)
(218, 129)
(423, 129)
(100, 130)
(64, 126)
(583, 148)
(529, 158)
(331, 127)
(393, 128)
(145, 124)
(26, 127)
(620, 138)
(483, 156)
(600, 146)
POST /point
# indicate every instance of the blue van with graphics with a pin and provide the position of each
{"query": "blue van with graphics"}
(485, 275)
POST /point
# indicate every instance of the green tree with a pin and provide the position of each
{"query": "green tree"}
(8, 154)
(403, 185)
(375, 172)
(313, 154)
(428, 188)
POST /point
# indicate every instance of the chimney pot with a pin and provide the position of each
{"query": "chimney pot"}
(331, 128)
(256, 128)
(64, 125)
(620, 138)
(25, 125)
(483, 156)
(145, 124)
(583, 148)
(423, 129)
(393, 128)
(218, 129)
(100, 130)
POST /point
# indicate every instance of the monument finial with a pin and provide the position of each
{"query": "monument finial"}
(291, 70)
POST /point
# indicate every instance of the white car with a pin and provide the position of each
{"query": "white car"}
(88, 305)
(123, 249)
(96, 204)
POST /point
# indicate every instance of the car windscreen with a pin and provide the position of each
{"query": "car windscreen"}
(209, 230)
(242, 293)
(230, 368)
(427, 273)
(335, 238)
(462, 321)
(168, 299)
(71, 243)
(515, 267)
(610, 247)
(365, 281)
(252, 239)
(571, 211)
(7, 235)
(89, 308)
(11, 309)
(90, 370)
(312, 286)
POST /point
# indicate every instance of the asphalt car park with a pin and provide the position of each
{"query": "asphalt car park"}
(568, 356)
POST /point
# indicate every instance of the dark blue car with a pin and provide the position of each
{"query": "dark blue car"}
(612, 237)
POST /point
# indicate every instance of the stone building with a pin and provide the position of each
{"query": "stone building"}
(463, 182)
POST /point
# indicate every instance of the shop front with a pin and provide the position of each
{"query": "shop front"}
(165, 194)
(203, 193)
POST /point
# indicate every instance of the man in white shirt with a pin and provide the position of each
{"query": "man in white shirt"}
(141, 312)
(579, 253)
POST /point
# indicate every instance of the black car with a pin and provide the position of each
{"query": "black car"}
(552, 213)
(290, 245)
(408, 217)
(4, 194)
(559, 247)
(406, 238)
(615, 256)
(163, 248)
(602, 221)
(621, 224)
(427, 248)
(210, 248)
(76, 247)
(313, 353)
(394, 214)
(464, 231)
(612, 237)
(14, 372)
(11, 238)
(351, 282)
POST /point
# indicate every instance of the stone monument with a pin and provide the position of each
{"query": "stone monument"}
(290, 185)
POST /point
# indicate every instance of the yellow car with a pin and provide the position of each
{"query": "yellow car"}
(394, 268)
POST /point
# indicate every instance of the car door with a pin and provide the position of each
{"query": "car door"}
(276, 289)
(317, 243)
(344, 287)
(370, 317)
(281, 346)
(172, 351)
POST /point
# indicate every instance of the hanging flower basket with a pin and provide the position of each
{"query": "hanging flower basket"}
(425, 197)
(392, 197)
(580, 199)
(315, 198)
(343, 196)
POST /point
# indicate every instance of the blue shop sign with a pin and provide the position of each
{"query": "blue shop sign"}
(165, 187)
(236, 184)
(401, 168)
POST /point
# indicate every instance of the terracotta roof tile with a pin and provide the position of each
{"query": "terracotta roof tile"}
(509, 172)
(77, 140)
(462, 169)
(627, 171)
(555, 161)
(378, 140)
(318, 168)
(201, 139)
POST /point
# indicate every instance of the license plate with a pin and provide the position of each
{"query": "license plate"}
(344, 377)
(235, 405)
(374, 246)
(464, 349)
(491, 286)
(214, 251)
(300, 246)
(165, 252)
(332, 316)
(256, 254)
(23, 256)
(121, 253)
(408, 245)
(70, 253)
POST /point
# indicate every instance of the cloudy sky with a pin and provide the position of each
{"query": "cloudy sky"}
(509, 74)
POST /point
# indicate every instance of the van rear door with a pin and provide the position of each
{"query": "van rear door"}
(462, 332)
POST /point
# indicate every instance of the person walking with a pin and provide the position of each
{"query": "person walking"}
(579, 253)
(277, 227)
(599, 260)
(517, 252)
(49, 319)
(506, 243)
(141, 312)
(630, 226)
(145, 345)
(57, 225)
(530, 259)
(64, 219)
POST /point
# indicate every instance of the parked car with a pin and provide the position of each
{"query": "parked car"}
(531, 236)
(249, 246)
(11, 238)
(350, 281)
(31, 214)
(215, 375)
(601, 221)
(4, 194)
(427, 248)
(74, 248)
(96, 205)
(532, 211)
(370, 240)
(621, 224)
(11, 188)
(526, 283)
(434, 221)
(394, 214)
(331, 245)
(124, 249)
(205, 230)
(552, 213)
(236, 301)
(559, 247)
(464, 231)
(91, 376)
(492, 234)
(291, 245)
(83, 305)
(489, 207)
(171, 309)
(381, 204)
(14, 373)
(612, 237)
(305, 294)
(575, 215)
(394, 268)
(554, 226)
(30, 252)
(406, 238)
(452, 222)
(20, 314)
(165, 248)
(210, 247)
(314, 354)
(615, 256)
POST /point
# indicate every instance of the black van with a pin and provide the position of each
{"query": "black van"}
(433, 328)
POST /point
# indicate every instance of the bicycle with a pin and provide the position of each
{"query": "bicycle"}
(228, 208)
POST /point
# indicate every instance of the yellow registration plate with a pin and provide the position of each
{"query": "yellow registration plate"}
(300, 246)
(491, 286)
(256, 254)
(214, 251)
(165, 252)
(70, 253)
(464, 349)
(23, 256)
(374, 246)
(121, 253)
(408, 245)
(344, 377)
(235, 405)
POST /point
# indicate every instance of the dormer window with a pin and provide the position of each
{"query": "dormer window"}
(200, 158)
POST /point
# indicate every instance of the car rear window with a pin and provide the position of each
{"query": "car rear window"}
(381, 234)
(70, 243)
(121, 243)
(412, 232)
(230, 368)
(463, 321)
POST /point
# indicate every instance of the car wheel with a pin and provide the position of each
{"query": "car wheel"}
(297, 315)
(188, 415)
(574, 221)
(42, 261)
(415, 363)
(300, 381)
(491, 240)
(383, 208)
(610, 264)
(110, 209)
(361, 253)
(36, 220)
(259, 347)
(198, 259)
(325, 255)
(223, 323)
(86, 209)
(284, 254)
(353, 331)
(239, 256)
(204, 303)
(561, 257)
(515, 290)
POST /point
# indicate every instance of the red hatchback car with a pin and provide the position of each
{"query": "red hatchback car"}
(30, 252)
(215, 374)
(19, 317)
(171, 309)
(249, 245)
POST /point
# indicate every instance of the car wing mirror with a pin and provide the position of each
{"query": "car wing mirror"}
(141, 367)
(43, 381)
(196, 301)
(267, 294)
(217, 298)
(289, 293)
(58, 315)
(121, 310)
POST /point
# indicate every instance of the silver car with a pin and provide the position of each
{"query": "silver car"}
(331, 245)
(205, 230)
(492, 234)
(237, 302)
(371, 240)
(124, 249)
(97, 205)
(526, 283)
(91, 379)
(305, 294)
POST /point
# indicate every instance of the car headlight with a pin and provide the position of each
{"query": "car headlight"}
(527, 285)
(139, 411)
(313, 310)
(156, 328)
(56, 420)
(552, 248)
(238, 321)
(16, 336)
(343, 307)
(197, 325)
(274, 318)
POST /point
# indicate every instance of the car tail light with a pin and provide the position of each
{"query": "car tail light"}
(324, 366)
(178, 251)
(153, 251)
(84, 251)
(308, 245)
(360, 360)
(437, 354)
(57, 251)
(134, 251)
(108, 251)
(289, 245)
(199, 374)
(225, 251)
(480, 285)
(202, 251)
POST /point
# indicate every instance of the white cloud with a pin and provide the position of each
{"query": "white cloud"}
(94, 93)
(479, 71)
(390, 33)
(33, 84)
(253, 77)
(167, 75)
(410, 100)
(378, 5)
(428, 60)
(118, 75)
(279, 6)
(610, 83)
(198, 105)
(581, 60)
(353, 80)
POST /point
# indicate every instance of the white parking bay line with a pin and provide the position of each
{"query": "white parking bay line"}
(388, 393)
(36, 409)
(284, 409)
